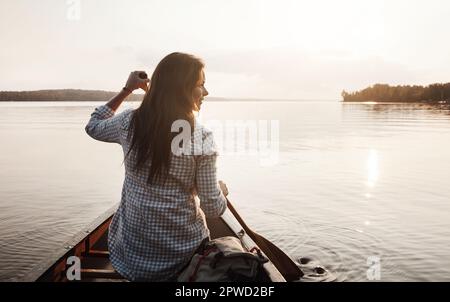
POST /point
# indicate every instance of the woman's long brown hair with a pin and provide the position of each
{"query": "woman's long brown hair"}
(169, 98)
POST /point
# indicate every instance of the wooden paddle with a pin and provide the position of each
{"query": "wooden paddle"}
(283, 262)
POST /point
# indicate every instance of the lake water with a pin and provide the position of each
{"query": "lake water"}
(357, 187)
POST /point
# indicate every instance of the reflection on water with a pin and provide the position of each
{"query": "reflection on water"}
(372, 167)
(354, 182)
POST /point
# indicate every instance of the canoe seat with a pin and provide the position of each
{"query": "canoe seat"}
(97, 254)
(90, 273)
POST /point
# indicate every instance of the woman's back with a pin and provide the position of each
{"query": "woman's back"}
(157, 227)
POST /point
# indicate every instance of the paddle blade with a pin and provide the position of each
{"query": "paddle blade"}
(287, 267)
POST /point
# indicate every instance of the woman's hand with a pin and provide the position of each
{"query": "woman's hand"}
(135, 82)
(223, 187)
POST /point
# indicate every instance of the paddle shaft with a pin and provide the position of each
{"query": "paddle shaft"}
(282, 262)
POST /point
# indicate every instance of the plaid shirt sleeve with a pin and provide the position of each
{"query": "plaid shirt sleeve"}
(104, 125)
(212, 201)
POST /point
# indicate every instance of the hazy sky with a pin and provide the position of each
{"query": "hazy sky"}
(253, 49)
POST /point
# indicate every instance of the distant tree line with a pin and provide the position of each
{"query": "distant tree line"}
(433, 93)
(62, 95)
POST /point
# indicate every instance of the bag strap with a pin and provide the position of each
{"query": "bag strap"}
(259, 253)
(243, 255)
(202, 258)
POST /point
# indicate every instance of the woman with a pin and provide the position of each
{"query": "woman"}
(158, 225)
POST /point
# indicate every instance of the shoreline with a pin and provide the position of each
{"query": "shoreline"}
(402, 102)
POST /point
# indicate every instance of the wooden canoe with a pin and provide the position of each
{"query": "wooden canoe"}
(90, 246)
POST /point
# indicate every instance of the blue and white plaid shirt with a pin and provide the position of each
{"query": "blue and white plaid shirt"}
(157, 228)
